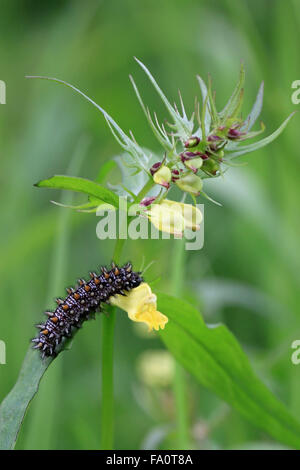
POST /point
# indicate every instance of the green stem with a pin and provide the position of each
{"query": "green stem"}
(107, 341)
(107, 406)
(179, 385)
(150, 183)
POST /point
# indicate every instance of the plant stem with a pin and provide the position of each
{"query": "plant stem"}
(107, 406)
(107, 341)
(179, 385)
(150, 183)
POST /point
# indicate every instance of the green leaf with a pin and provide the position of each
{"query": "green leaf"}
(158, 130)
(214, 357)
(212, 104)
(261, 143)
(183, 126)
(235, 97)
(14, 406)
(80, 185)
(104, 171)
(256, 109)
(206, 114)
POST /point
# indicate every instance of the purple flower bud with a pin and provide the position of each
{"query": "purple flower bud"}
(147, 201)
(192, 154)
(189, 155)
(213, 138)
(192, 142)
(234, 134)
(183, 158)
(175, 175)
(155, 167)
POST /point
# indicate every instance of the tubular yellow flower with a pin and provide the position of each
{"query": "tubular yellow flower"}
(140, 304)
(174, 217)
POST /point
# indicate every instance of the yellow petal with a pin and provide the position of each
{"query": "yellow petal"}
(174, 217)
(140, 304)
(166, 219)
(192, 215)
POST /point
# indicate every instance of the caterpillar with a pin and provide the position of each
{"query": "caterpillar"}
(81, 304)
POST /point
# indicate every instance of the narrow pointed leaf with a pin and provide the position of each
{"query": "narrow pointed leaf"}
(163, 139)
(125, 142)
(205, 104)
(231, 105)
(183, 126)
(256, 109)
(261, 143)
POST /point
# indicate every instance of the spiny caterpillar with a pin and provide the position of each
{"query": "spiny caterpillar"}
(82, 303)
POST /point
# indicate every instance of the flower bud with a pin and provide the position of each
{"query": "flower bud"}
(147, 201)
(220, 154)
(184, 156)
(194, 164)
(211, 166)
(175, 175)
(155, 167)
(163, 176)
(190, 183)
(213, 138)
(192, 142)
(234, 134)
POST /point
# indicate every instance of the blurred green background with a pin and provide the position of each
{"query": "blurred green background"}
(248, 273)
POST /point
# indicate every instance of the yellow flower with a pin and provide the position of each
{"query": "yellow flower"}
(174, 217)
(156, 368)
(140, 304)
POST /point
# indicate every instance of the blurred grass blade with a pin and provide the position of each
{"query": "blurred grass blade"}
(214, 357)
(81, 185)
(261, 143)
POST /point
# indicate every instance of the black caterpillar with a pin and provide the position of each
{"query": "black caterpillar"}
(82, 303)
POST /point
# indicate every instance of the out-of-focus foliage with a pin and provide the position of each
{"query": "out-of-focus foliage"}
(251, 243)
